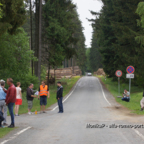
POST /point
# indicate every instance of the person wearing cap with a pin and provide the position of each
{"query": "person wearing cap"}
(43, 94)
(3, 106)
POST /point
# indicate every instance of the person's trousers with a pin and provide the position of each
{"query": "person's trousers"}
(10, 107)
(1, 118)
(3, 108)
(60, 104)
(126, 99)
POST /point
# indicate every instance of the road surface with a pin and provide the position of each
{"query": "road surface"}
(89, 103)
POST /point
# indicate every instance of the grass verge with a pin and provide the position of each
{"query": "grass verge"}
(136, 94)
(52, 100)
(5, 131)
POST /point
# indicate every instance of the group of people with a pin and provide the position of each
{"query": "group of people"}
(13, 96)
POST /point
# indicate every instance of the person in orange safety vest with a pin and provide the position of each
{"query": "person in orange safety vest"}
(43, 94)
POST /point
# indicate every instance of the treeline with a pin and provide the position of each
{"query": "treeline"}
(37, 35)
(118, 38)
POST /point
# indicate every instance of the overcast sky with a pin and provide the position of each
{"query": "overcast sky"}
(83, 7)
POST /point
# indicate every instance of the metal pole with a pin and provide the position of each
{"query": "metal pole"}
(119, 86)
(129, 85)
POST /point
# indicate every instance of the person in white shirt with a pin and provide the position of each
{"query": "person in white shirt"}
(18, 98)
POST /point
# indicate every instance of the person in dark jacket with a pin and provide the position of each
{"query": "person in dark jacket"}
(30, 96)
(1, 119)
(60, 97)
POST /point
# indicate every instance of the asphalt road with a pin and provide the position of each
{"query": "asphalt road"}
(88, 104)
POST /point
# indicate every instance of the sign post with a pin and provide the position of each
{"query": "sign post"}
(118, 74)
(130, 70)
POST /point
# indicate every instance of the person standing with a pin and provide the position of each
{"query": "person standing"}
(60, 97)
(18, 98)
(43, 94)
(10, 100)
(3, 106)
(30, 96)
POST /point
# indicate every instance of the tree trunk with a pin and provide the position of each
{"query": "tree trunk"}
(31, 33)
(36, 37)
(48, 75)
(40, 39)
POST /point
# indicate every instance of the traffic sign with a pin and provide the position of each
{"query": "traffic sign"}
(130, 69)
(118, 73)
(130, 76)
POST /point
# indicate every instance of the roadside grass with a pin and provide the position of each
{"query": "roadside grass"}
(52, 100)
(5, 131)
(136, 94)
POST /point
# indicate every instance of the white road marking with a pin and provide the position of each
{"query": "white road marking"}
(138, 133)
(67, 96)
(104, 93)
(15, 135)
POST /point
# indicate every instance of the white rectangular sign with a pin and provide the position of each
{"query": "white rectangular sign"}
(130, 76)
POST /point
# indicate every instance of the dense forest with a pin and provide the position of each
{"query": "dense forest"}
(36, 35)
(118, 38)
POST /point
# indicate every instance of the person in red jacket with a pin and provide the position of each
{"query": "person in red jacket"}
(11, 99)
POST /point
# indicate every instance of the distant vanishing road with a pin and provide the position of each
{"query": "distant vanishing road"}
(89, 104)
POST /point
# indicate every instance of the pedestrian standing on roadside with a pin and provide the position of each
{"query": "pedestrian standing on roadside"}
(10, 100)
(3, 107)
(142, 103)
(43, 94)
(59, 97)
(18, 98)
(30, 96)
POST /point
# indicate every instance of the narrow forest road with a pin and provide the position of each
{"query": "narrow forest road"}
(90, 104)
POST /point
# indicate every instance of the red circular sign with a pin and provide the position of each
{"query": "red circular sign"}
(118, 73)
(130, 69)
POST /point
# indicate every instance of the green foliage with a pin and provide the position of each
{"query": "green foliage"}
(80, 45)
(140, 11)
(87, 69)
(140, 22)
(13, 15)
(0, 11)
(15, 58)
(43, 72)
(57, 31)
(95, 58)
(116, 30)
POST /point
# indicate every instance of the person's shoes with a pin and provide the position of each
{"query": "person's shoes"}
(141, 109)
(5, 124)
(29, 113)
(1, 126)
(11, 126)
(44, 111)
(60, 112)
(17, 115)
